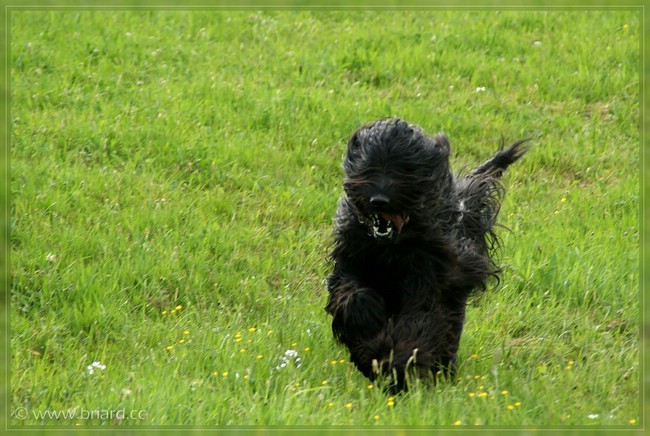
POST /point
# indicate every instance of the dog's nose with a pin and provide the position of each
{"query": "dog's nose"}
(379, 200)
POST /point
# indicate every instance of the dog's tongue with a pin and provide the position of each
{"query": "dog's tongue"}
(397, 220)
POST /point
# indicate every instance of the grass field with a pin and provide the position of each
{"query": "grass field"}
(173, 181)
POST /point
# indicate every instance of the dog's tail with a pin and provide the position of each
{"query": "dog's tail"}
(502, 159)
(479, 196)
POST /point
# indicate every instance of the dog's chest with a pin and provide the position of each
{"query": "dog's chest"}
(387, 270)
(402, 272)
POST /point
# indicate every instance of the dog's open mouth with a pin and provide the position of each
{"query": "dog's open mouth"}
(387, 226)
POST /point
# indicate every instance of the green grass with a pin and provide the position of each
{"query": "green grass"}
(165, 158)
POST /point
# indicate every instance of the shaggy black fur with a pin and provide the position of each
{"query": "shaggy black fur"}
(412, 243)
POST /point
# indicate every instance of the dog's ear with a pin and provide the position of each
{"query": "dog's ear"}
(353, 143)
(353, 151)
(441, 143)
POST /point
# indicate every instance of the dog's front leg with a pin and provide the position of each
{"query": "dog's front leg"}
(358, 315)
(424, 343)
(358, 311)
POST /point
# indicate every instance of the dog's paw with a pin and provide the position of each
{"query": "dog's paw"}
(400, 370)
(359, 315)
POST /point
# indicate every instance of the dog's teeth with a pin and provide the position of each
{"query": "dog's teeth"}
(379, 223)
(388, 232)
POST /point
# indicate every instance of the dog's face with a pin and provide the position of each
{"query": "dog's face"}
(394, 174)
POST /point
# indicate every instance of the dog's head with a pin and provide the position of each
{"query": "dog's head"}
(394, 175)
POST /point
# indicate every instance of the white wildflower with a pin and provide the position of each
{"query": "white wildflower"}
(95, 365)
(289, 356)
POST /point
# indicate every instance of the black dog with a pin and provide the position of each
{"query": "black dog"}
(412, 243)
